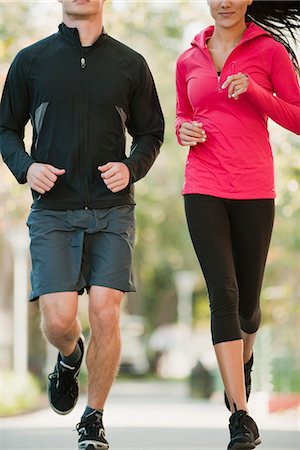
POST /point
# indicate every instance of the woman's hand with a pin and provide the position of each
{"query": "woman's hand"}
(191, 133)
(237, 84)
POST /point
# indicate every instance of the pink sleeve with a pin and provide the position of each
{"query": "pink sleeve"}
(284, 106)
(184, 112)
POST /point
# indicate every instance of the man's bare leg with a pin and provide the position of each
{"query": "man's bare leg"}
(60, 324)
(103, 353)
(62, 329)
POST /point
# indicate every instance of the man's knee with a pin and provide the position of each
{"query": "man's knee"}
(57, 327)
(104, 308)
(58, 312)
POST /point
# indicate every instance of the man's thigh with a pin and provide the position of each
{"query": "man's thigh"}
(56, 253)
(108, 253)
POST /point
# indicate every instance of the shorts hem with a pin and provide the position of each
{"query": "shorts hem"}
(117, 287)
(36, 295)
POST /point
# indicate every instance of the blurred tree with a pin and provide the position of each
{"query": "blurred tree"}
(281, 294)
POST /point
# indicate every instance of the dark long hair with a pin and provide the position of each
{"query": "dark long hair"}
(281, 19)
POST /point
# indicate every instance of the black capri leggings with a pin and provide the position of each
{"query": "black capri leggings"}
(231, 239)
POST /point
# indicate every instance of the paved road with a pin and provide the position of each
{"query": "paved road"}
(151, 416)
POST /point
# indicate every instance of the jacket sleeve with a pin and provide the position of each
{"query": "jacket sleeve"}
(14, 116)
(145, 124)
(283, 105)
(184, 111)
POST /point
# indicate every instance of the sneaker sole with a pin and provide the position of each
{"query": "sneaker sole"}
(246, 445)
(92, 445)
(258, 441)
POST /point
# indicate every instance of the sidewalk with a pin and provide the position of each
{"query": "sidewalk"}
(148, 416)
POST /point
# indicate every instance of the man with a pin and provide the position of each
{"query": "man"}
(81, 89)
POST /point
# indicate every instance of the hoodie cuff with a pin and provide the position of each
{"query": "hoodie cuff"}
(178, 122)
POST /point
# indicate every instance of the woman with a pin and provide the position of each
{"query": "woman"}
(229, 82)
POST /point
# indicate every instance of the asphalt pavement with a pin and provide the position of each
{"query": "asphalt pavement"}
(151, 416)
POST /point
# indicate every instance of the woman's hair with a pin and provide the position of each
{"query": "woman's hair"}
(281, 19)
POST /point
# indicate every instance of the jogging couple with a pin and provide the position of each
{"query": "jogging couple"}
(82, 90)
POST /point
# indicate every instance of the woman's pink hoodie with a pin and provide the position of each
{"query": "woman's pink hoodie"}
(236, 160)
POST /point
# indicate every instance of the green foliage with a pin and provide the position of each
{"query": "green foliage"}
(18, 393)
(201, 308)
(14, 16)
(286, 380)
(282, 289)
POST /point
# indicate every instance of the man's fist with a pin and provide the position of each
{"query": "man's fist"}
(42, 177)
(115, 175)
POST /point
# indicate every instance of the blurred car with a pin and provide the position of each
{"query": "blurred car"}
(134, 360)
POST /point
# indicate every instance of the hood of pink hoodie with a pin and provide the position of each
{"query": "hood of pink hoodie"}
(253, 31)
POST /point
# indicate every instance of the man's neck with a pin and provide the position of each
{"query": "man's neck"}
(89, 30)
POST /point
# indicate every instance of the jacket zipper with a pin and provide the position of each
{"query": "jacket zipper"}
(83, 140)
(226, 63)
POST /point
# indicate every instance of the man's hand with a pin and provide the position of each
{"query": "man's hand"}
(115, 175)
(42, 177)
(237, 84)
(191, 133)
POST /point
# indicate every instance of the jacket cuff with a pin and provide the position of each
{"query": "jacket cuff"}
(130, 168)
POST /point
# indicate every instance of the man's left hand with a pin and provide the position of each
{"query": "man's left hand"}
(115, 175)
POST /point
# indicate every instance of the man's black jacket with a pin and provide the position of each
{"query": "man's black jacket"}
(80, 103)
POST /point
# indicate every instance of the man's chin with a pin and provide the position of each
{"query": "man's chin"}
(80, 14)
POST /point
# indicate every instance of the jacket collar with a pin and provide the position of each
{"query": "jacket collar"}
(252, 32)
(72, 35)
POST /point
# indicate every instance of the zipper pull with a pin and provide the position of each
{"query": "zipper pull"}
(219, 82)
(83, 63)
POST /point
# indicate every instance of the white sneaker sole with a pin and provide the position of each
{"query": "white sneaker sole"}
(92, 445)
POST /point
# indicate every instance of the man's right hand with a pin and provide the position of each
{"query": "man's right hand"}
(191, 133)
(42, 177)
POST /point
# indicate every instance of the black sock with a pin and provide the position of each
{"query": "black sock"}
(88, 411)
(72, 359)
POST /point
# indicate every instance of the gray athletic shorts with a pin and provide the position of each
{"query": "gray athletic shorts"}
(72, 250)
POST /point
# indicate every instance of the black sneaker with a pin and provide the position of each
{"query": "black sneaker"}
(91, 433)
(244, 433)
(63, 388)
(247, 373)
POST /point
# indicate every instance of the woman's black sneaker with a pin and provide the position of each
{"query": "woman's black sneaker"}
(244, 433)
(91, 433)
(63, 387)
(247, 372)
